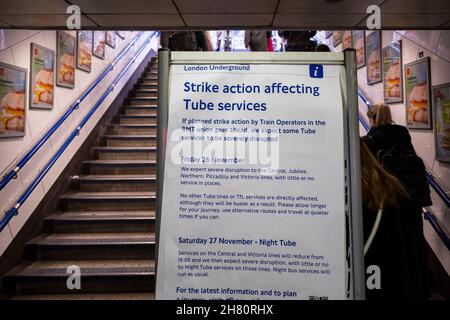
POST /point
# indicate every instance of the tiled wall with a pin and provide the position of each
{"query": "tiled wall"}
(15, 50)
(436, 45)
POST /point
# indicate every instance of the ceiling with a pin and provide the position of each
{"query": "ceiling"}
(221, 14)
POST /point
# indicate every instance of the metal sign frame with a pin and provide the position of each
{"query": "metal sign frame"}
(354, 235)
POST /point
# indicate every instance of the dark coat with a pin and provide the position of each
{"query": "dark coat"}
(388, 136)
(391, 145)
(399, 247)
(399, 250)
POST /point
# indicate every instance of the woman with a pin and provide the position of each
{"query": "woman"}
(384, 131)
(391, 145)
(397, 246)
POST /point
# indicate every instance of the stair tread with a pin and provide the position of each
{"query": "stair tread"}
(144, 98)
(130, 136)
(118, 177)
(133, 125)
(90, 239)
(141, 106)
(110, 195)
(124, 148)
(101, 215)
(137, 115)
(148, 83)
(58, 268)
(91, 296)
(120, 162)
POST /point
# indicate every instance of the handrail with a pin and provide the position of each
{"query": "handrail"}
(429, 216)
(24, 196)
(24, 160)
(431, 180)
(434, 223)
(363, 122)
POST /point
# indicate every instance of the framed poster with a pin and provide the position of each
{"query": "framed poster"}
(12, 100)
(84, 50)
(359, 43)
(42, 71)
(392, 73)
(122, 34)
(111, 39)
(65, 59)
(417, 94)
(441, 120)
(373, 57)
(346, 40)
(328, 34)
(98, 45)
(336, 38)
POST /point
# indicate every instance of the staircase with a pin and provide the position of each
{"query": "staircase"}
(106, 224)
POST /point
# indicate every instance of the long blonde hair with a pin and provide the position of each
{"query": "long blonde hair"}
(379, 188)
(380, 113)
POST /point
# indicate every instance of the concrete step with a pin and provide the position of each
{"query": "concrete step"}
(100, 221)
(124, 153)
(139, 182)
(148, 140)
(142, 100)
(50, 277)
(88, 296)
(150, 76)
(144, 93)
(149, 83)
(108, 201)
(141, 86)
(131, 129)
(147, 87)
(91, 246)
(119, 166)
(140, 110)
(136, 119)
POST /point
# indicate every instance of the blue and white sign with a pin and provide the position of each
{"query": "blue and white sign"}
(253, 200)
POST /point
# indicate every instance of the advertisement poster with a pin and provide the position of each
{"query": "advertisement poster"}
(373, 57)
(111, 39)
(360, 46)
(441, 105)
(417, 94)
(392, 73)
(12, 101)
(65, 60)
(336, 38)
(98, 48)
(253, 205)
(84, 52)
(42, 72)
(346, 40)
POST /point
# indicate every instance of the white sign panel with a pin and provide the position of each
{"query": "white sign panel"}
(254, 194)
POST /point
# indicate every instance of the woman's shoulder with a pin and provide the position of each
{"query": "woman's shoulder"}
(388, 129)
(390, 134)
